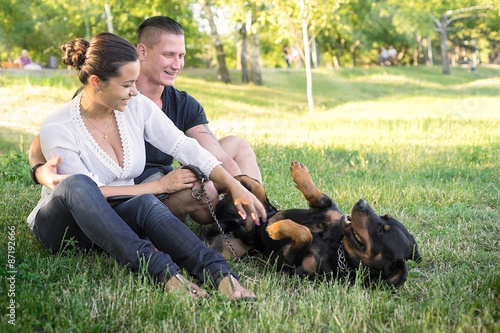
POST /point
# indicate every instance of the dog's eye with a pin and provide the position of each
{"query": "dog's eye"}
(380, 231)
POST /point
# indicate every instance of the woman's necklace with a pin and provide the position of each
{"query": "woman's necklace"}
(105, 133)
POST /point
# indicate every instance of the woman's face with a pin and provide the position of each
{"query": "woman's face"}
(116, 93)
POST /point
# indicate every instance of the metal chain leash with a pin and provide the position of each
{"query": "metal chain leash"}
(341, 260)
(198, 194)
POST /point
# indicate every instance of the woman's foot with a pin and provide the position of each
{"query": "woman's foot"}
(178, 283)
(230, 287)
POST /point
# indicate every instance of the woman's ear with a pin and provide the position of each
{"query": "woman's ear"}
(95, 82)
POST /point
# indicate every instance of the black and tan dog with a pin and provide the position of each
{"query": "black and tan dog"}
(321, 239)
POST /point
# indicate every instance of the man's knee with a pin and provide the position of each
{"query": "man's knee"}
(237, 147)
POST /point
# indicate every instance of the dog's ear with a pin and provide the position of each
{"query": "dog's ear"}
(415, 255)
(396, 272)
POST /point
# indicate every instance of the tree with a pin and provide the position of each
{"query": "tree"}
(219, 47)
(443, 26)
(245, 76)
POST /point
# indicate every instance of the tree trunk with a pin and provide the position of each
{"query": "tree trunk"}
(255, 74)
(219, 47)
(337, 62)
(307, 60)
(243, 55)
(314, 53)
(418, 51)
(429, 52)
(353, 49)
(443, 38)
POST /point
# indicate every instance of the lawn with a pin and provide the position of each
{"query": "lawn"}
(414, 143)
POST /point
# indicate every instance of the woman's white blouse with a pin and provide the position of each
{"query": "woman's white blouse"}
(64, 133)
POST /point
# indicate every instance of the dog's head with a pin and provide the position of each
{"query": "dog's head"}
(381, 243)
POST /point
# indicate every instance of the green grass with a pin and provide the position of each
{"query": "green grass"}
(414, 143)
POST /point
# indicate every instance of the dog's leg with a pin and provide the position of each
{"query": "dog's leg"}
(300, 235)
(305, 184)
(219, 244)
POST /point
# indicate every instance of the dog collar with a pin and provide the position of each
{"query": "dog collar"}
(341, 260)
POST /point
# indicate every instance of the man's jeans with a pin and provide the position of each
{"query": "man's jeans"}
(129, 231)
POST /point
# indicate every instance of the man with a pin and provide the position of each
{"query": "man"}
(161, 49)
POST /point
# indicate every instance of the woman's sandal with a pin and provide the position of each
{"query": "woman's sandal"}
(234, 289)
(194, 291)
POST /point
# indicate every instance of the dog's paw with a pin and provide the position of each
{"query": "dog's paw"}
(300, 235)
(298, 170)
(274, 231)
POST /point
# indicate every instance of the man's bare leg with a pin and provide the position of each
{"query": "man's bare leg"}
(242, 153)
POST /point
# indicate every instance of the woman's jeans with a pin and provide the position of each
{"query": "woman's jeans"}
(130, 232)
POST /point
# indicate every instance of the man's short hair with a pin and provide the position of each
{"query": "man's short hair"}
(150, 31)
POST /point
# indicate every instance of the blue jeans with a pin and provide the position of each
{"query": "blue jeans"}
(129, 232)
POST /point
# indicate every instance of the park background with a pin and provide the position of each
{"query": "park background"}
(250, 35)
(414, 141)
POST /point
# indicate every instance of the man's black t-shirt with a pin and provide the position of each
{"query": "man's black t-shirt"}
(185, 112)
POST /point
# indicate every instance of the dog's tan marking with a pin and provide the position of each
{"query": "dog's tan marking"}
(239, 247)
(258, 190)
(333, 216)
(253, 186)
(360, 227)
(301, 236)
(304, 182)
(309, 263)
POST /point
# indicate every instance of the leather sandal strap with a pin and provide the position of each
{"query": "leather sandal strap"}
(185, 283)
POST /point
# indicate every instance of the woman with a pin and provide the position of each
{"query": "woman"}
(99, 136)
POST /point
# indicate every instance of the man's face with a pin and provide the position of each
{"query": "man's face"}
(163, 62)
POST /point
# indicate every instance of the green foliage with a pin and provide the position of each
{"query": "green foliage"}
(345, 30)
(419, 145)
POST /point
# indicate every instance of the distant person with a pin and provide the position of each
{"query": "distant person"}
(25, 61)
(287, 54)
(383, 56)
(392, 55)
(472, 67)
(296, 55)
(492, 57)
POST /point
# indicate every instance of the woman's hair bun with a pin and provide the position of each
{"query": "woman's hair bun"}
(74, 53)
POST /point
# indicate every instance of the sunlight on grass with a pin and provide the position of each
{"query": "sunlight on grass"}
(24, 107)
(396, 80)
(416, 108)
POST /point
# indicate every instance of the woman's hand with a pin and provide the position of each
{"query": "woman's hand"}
(176, 180)
(246, 203)
(47, 173)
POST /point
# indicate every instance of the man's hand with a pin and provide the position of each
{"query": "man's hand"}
(47, 173)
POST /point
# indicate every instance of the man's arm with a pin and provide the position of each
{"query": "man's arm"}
(207, 140)
(46, 173)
